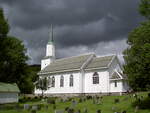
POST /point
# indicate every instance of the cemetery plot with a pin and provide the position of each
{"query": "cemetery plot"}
(82, 104)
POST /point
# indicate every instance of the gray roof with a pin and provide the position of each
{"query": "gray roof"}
(66, 64)
(115, 76)
(99, 62)
(7, 87)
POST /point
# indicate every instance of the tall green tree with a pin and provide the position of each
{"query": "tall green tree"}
(4, 27)
(13, 58)
(137, 55)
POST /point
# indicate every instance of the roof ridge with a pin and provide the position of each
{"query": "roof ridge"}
(74, 56)
(106, 55)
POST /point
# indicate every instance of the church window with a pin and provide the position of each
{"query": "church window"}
(53, 81)
(115, 83)
(95, 78)
(61, 81)
(49, 81)
(71, 81)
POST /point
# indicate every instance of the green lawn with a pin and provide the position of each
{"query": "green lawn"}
(106, 105)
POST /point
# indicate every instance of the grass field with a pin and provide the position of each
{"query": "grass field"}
(106, 104)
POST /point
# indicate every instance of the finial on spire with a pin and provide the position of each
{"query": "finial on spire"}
(51, 34)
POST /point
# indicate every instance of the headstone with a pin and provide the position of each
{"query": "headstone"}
(34, 107)
(26, 106)
(74, 103)
(59, 111)
(136, 109)
(85, 110)
(113, 108)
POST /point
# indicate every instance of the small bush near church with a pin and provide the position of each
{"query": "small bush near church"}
(116, 100)
(51, 101)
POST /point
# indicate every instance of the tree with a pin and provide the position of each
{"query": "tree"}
(144, 8)
(13, 66)
(137, 55)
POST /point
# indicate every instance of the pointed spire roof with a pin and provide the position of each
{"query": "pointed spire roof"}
(51, 40)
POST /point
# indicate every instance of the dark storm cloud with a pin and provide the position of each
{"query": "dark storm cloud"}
(76, 22)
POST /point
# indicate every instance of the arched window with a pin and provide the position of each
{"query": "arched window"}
(71, 81)
(61, 81)
(53, 81)
(115, 83)
(95, 78)
(49, 82)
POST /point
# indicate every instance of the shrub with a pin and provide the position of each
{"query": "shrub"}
(66, 109)
(148, 95)
(51, 101)
(70, 110)
(116, 100)
(33, 111)
(143, 104)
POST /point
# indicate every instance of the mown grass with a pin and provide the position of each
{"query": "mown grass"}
(106, 105)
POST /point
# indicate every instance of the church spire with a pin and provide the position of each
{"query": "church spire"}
(51, 40)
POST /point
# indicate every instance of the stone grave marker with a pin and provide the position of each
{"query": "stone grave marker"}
(85, 110)
(35, 107)
(136, 109)
(74, 103)
(26, 106)
(59, 111)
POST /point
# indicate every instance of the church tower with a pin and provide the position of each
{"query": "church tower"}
(50, 51)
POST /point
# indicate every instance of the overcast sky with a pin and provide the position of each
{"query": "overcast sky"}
(80, 26)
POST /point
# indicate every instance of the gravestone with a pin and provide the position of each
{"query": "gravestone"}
(136, 109)
(26, 106)
(85, 110)
(74, 103)
(113, 108)
(59, 111)
(34, 107)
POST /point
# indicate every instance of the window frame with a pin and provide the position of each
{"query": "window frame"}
(115, 83)
(53, 81)
(95, 78)
(71, 81)
(61, 81)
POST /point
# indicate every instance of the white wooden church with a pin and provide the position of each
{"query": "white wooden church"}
(83, 74)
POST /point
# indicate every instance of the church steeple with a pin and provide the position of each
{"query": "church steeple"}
(50, 49)
(51, 40)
